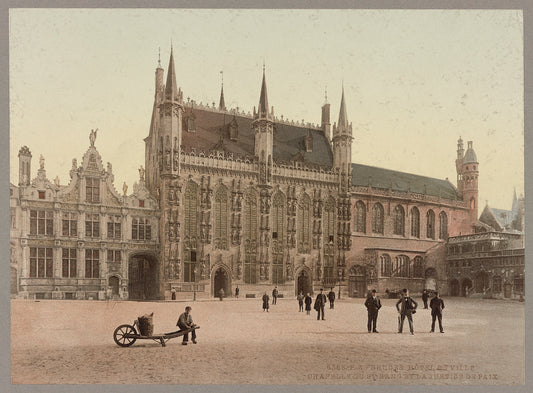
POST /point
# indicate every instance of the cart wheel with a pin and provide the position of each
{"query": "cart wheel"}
(120, 332)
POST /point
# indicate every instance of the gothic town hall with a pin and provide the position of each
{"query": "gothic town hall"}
(228, 199)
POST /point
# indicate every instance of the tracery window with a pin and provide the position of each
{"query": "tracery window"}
(430, 227)
(399, 221)
(386, 265)
(303, 217)
(443, 225)
(377, 218)
(360, 217)
(221, 218)
(190, 230)
(415, 222)
(278, 236)
(328, 220)
(250, 237)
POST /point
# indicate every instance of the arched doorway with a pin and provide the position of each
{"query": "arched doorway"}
(357, 281)
(454, 287)
(507, 289)
(466, 287)
(303, 282)
(431, 279)
(221, 281)
(143, 277)
(481, 282)
(114, 285)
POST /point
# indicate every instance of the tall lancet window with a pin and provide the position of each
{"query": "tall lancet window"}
(443, 225)
(377, 218)
(328, 220)
(415, 222)
(430, 226)
(221, 218)
(303, 234)
(399, 220)
(360, 217)
(278, 237)
(190, 230)
(250, 237)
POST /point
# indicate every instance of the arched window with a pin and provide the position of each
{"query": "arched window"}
(415, 222)
(360, 217)
(399, 220)
(190, 230)
(377, 218)
(221, 218)
(328, 221)
(418, 267)
(386, 265)
(278, 236)
(402, 268)
(443, 225)
(303, 236)
(430, 226)
(250, 237)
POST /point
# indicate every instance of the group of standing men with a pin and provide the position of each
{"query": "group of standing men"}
(406, 307)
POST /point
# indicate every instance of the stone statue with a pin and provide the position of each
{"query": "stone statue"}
(41, 162)
(109, 168)
(56, 181)
(141, 173)
(92, 137)
(124, 188)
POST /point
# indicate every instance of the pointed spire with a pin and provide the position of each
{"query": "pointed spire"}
(343, 118)
(263, 99)
(171, 88)
(222, 103)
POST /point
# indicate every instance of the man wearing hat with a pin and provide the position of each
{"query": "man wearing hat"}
(373, 304)
(406, 307)
(320, 302)
(436, 305)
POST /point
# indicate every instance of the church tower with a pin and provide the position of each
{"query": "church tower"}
(162, 159)
(263, 126)
(467, 178)
(24, 166)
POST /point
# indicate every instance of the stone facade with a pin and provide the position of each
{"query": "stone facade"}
(236, 198)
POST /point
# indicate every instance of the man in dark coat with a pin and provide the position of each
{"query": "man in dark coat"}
(308, 300)
(300, 299)
(266, 299)
(373, 304)
(425, 296)
(274, 295)
(331, 298)
(406, 307)
(437, 305)
(320, 302)
(237, 292)
(184, 323)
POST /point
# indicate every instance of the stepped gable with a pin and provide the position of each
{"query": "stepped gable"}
(401, 181)
(288, 138)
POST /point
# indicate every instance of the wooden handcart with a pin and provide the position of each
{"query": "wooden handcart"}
(126, 335)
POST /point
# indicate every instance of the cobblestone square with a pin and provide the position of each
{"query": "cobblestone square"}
(70, 342)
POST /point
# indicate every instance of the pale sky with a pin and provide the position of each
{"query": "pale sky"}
(414, 80)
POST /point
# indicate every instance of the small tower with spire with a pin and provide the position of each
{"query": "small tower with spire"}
(263, 126)
(326, 123)
(467, 178)
(222, 103)
(24, 166)
(342, 146)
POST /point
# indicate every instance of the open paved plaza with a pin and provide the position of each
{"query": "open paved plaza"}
(70, 342)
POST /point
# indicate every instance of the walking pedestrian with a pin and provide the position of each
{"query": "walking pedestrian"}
(331, 297)
(406, 307)
(266, 299)
(373, 304)
(300, 299)
(320, 302)
(308, 300)
(437, 305)
(237, 291)
(274, 295)
(173, 294)
(425, 296)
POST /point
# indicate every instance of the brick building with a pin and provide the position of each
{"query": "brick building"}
(233, 198)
